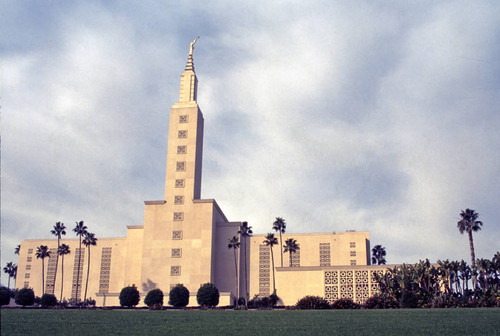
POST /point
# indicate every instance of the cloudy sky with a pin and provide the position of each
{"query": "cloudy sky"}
(377, 116)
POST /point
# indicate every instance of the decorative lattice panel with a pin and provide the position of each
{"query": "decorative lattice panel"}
(324, 254)
(331, 286)
(295, 258)
(78, 273)
(51, 272)
(105, 270)
(264, 270)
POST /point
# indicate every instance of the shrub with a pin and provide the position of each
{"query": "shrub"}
(312, 302)
(409, 299)
(48, 300)
(178, 296)
(380, 301)
(345, 304)
(264, 302)
(154, 298)
(4, 296)
(129, 296)
(25, 297)
(208, 295)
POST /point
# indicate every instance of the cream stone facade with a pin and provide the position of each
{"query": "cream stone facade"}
(184, 240)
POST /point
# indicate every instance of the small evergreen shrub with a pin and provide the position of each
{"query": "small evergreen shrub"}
(25, 297)
(208, 295)
(178, 296)
(4, 296)
(258, 302)
(312, 302)
(379, 301)
(345, 304)
(48, 300)
(129, 296)
(154, 298)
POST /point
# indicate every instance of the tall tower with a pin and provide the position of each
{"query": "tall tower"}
(185, 237)
(185, 142)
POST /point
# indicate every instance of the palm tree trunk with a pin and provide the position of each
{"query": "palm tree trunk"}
(87, 282)
(57, 261)
(236, 273)
(272, 260)
(62, 276)
(281, 250)
(78, 271)
(8, 283)
(43, 278)
(473, 257)
(246, 276)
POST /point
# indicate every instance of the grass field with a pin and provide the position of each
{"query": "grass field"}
(278, 322)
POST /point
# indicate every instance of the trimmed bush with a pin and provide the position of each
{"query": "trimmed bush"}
(312, 302)
(208, 295)
(4, 296)
(345, 304)
(25, 297)
(48, 300)
(154, 298)
(129, 296)
(380, 301)
(178, 296)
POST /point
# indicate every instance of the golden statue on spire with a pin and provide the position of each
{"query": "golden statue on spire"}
(191, 46)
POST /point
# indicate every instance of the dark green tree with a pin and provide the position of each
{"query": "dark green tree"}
(378, 255)
(154, 298)
(279, 225)
(42, 252)
(4, 296)
(89, 240)
(271, 241)
(178, 296)
(62, 251)
(245, 231)
(17, 249)
(58, 231)
(235, 244)
(292, 247)
(80, 230)
(208, 295)
(48, 300)
(129, 296)
(25, 297)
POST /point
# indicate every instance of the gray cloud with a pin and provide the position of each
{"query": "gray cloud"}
(335, 116)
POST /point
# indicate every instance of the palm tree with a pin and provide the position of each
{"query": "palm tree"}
(42, 252)
(292, 247)
(271, 241)
(58, 231)
(245, 231)
(17, 249)
(14, 274)
(62, 251)
(80, 229)
(469, 223)
(89, 240)
(378, 257)
(8, 270)
(279, 225)
(235, 244)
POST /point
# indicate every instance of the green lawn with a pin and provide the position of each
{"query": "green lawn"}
(484, 321)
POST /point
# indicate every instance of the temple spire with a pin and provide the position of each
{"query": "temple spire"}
(189, 82)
